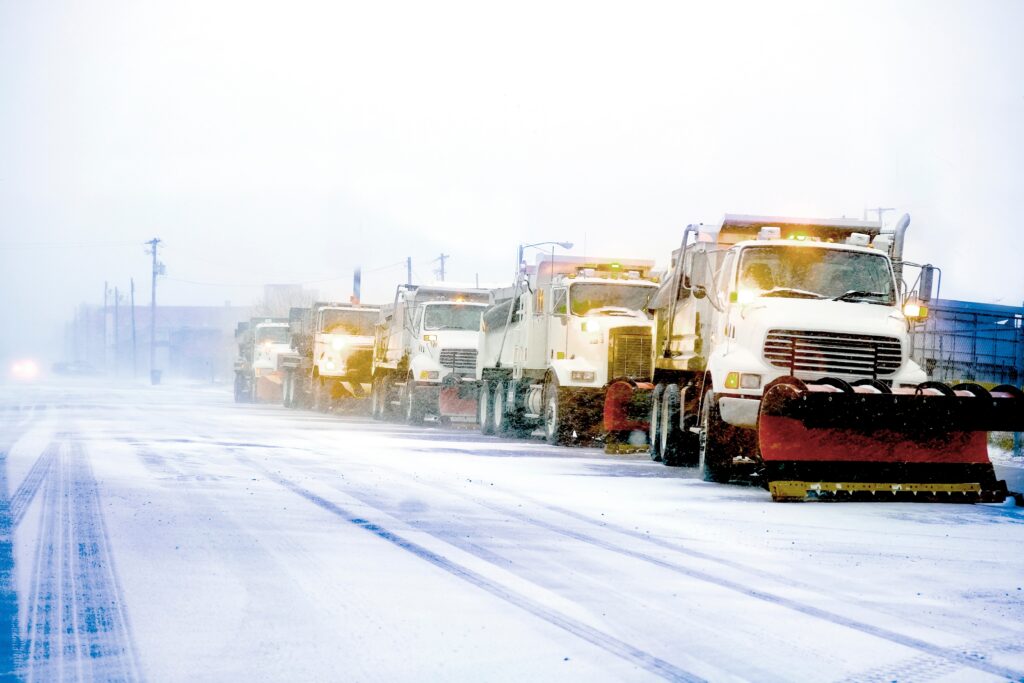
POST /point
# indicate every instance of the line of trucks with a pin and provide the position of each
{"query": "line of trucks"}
(773, 350)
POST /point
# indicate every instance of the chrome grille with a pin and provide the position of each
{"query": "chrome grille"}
(629, 353)
(460, 360)
(835, 353)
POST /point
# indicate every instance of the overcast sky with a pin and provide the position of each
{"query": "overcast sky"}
(287, 142)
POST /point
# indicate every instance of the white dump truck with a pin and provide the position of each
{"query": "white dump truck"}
(782, 353)
(257, 374)
(425, 351)
(572, 326)
(331, 366)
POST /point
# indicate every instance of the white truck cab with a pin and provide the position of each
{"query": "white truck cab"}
(548, 353)
(425, 353)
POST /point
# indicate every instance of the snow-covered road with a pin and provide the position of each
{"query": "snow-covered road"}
(166, 533)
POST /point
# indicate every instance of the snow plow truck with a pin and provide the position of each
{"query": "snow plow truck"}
(424, 353)
(257, 375)
(782, 354)
(331, 363)
(572, 325)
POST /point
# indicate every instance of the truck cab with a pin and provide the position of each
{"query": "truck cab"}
(425, 353)
(342, 352)
(573, 325)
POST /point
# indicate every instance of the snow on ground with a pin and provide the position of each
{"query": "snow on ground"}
(166, 533)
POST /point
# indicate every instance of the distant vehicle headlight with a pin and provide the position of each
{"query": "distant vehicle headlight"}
(25, 369)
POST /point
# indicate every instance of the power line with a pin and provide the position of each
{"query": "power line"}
(64, 245)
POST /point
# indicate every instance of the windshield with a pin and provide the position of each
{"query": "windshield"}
(356, 323)
(452, 316)
(586, 297)
(815, 273)
(274, 335)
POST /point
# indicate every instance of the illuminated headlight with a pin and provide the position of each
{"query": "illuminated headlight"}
(582, 375)
(915, 311)
(429, 374)
(338, 343)
(431, 338)
(590, 326)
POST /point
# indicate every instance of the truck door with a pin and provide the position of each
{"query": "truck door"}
(724, 322)
(558, 324)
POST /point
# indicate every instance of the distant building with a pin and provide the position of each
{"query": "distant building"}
(192, 342)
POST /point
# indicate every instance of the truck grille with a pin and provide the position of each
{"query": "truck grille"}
(460, 360)
(629, 353)
(830, 352)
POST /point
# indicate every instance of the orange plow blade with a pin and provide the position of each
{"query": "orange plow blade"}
(863, 441)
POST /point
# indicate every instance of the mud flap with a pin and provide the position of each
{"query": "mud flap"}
(625, 416)
(833, 440)
(457, 401)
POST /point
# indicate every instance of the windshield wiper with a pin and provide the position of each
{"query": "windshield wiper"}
(789, 291)
(859, 294)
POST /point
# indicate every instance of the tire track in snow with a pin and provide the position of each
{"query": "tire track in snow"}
(30, 485)
(76, 626)
(14, 426)
(609, 643)
(962, 659)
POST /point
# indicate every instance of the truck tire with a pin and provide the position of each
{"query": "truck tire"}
(377, 399)
(715, 460)
(653, 432)
(668, 430)
(320, 399)
(679, 446)
(499, 417)
(556, 431)
(413, 410)
(484, 417)
(239, 389)
(288, 390)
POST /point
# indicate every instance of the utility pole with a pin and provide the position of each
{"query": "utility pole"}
(408, 270)
(442, 258)
(117, 331)
(135, 364)
(106, 361)
(153, 243)
(880, 211)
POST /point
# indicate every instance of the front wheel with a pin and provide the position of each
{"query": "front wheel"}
(321, 401)
(412, 404)
(556, 431)
(484, 417)
(715, 462)
(653, 433)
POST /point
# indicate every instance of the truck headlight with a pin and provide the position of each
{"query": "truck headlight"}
(329, 365)
(338, 343)
(590, 326)
(582, 375)
(429, 374)
(744, 380)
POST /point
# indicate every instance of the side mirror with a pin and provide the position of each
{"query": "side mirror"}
(924, 291)
(700, 292)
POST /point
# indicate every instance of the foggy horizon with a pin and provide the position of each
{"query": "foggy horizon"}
(269, 145)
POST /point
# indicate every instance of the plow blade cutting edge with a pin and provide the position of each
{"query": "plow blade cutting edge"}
(864, 441)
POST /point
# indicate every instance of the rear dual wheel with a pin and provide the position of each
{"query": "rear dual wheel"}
(677, 444)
